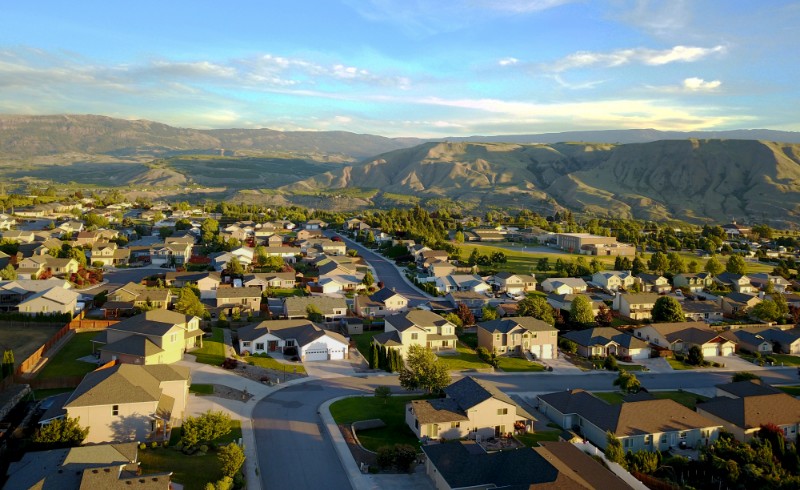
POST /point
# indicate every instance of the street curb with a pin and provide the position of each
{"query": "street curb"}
(357, 480)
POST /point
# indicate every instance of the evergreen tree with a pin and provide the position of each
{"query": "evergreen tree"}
(637, 267)
(7, 367)
(189, 304)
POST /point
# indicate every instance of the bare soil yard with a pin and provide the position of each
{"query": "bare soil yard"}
(24, 340)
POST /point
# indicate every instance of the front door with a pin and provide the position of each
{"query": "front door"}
(499, 430)
(273, 345)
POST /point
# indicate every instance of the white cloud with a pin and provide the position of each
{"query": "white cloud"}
(343, 119)
(685, 54)
(508, 61)
(519, 6)
(696, 84)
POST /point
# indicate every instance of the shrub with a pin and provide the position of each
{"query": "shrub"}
(179, 446)
(230, 363)
(610, 364)
(142, 445)
(154, 444)
(231, 458)
(238, 480)
(385, 457)
(203, 448)
(404, 457)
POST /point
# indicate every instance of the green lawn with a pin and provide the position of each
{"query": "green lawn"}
(391, 411)
(532, 439)
(270, 363)
(201, 389)
(685, 398)
(518, 365)
(283, 293)
(780, 359)
(191, 471)
(364, 340)
(213, 350)
(790, 390)
(679, 365)
(66, 363)
(464, 360)
(470, 339)
(42, 394)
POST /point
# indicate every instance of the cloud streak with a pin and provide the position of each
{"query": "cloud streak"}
(644, 56)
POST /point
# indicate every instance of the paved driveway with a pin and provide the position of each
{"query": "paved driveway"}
(329, 369)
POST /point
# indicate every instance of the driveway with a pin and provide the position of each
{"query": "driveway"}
(329, 369)
(734, 363)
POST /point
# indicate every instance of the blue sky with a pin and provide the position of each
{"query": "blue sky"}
(408, 67)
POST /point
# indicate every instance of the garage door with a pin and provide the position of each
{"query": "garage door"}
(336, 354)
(727, 351)
(710, 351)
(316, 355)
(547, 351)
(536, 351)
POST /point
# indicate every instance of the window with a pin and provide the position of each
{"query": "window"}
(414, 336)
(246, 343)
(663, 438)
(259, 345)
(115, 410)
(455, 425)
(502, 411)
(648, 439)
(627, 442)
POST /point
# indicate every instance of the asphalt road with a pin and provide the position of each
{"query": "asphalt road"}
(387, 272)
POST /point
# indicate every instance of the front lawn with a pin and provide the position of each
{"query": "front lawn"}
(470, 339)
(790, 390)
(201, 389)
(688, 400)
(213, 350)
(518, 365)
(66, 363)
(464, 359)
(283, 293)
(680, 365)
(532, 439)
(363, 341)
(391, 411)
(267, 362)
(780, 359)
(192, 471)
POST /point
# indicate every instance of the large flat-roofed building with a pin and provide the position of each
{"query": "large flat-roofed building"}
(588, 244)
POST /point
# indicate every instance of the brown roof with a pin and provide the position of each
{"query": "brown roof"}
(753, 411)
(577, 468)
(438, 410)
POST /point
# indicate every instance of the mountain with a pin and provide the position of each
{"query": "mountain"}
(30, 136)
(623, 136)
(693, 180)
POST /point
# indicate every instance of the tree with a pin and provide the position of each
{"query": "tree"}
(465, 315)
(313, 313)
(676, 263)
(383, 393)
(423, 371)
(744, 376)
(489, 313)
(658, 263)
(604, 316)
(667, 309)
(580, 311)
(613, 451)
(693, 267)
(458, 237)
(610, 363)
(60, 433)
(736, 265)
(695, 356)
(189, 304)
(627, 382)
(713, 266)
(543, 264)
(368, 279)
(208, 229)
(473, 257)
(231, 459)
(536, 307)
(766, 311)
(8, 273)
(205, 428)
(7, 367)
(374, 356)
(637, 267)
(78, 254)
(781, 305)
(235, 267)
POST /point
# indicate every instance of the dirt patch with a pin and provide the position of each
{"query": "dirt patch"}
(265, 375)
(24, 340)
(231, 393)
(360, 454)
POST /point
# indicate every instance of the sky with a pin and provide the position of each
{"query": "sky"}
(425, 68)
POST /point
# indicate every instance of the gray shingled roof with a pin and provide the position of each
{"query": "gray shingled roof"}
(507, 324)
(752, 387)
(469, 391)
(153, 322)
(124, 383)
(604, 335)
(135, 345)
(303, 331)
(415, 318)
(753, 411)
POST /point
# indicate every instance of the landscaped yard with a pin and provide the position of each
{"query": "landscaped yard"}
(685, 398)
(391, 411)
(470, 339)
(265, 361)
(518, 365)
(66, 363)
(283, 293)
(201, 389)
(213, 350)
(680, 365)
(532, 439)
(780, 359)
(364, 340)
(463, 360)
(192, 471)
(790, 390)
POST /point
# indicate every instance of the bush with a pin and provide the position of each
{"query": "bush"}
(230, 363)
(610, 364)
(238, 480)
(404, 457)
(154, 445)
(179, 446)
(142, 445)
(231, 458)
(385, 456)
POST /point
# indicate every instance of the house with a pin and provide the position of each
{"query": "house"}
(246, 299)
(744, 415)
(6, 222)
(315, 224)
(109, 254)
(783, 341)
(514, 284)
(564, 302)
(21, 236)
(141, 296)
(106, 466)
(32, 267)
(614, 280)
(760, 281)
(176, 279)
(381, 303)
(461, 282)
(472, 408)
(71, 227)
(170, 254)
(307, 234)
(707, 311)
(428, 257)
(53, 301)
(126, 402)
(693, 282)
(312, 342)
(735, 282)
(441, 269)
(209, 284)
(654, 283)
(750, 341)
(267, 280)
(738, 304)
(417, 327)
(519, 335)
(12, 293)
(152, 337)
(643, 425)
(682, 336)
(636, 306)
(332, 309)
(734, 230)
(564, 285)
(606, 341)
(474, 301)
(552, 465)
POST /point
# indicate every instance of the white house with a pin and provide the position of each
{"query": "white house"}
(312, 342)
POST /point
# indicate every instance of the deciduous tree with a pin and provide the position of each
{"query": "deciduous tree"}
(580, 311)
(423, 371)
(536, 307)
(667, 309)
(60, 433)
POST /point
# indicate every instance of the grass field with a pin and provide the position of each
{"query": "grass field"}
(532, 439)
(270, 363)
(201, 389)
(790, 390)
(213, 350)
(364, 340)
(66, 363)
(464, 359)
(780, 359)
(391, 412)
(24, 341)
(192, 471)
(685, 398)
(518, 365)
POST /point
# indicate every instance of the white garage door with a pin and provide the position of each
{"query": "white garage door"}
(727, 351)
(317, 355)
(536, 351)
(710, 351)
(547, 351)
(336, 354)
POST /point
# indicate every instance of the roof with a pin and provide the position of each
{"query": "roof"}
(579, 466)
(243, 292)
(383, 294)
(124, 383)
(57, 295)
(154, 322)
(604, 335)
(752, 387)
(639, 298)
(693, 335)
(672, 327)
(526, 322)
(303, 331)
(753, 411)
(135, 345)
(296, 305)
(438, 410)
(469, 391)
(389, 339)
(415, 318)
(743, 298)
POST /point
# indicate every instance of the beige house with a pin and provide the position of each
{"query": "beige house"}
(472, 408)
(381, 303)
(247, 299)
(141, 296)
(682, 336)
(693, 282)
(736, 282)
(109, 254)
(614, 280)
(606, 341)
(417, 327)
(125, 402)
(53, 301)
(636, 306)
(506, 282)
(564, 285)
(654, 283)
(153, 337)
(518, 335)
(736, 304)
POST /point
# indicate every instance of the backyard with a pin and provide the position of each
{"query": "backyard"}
(390, 410)
(24, 340)
(66, 363)
(213, 350)
(685, 398)
(363, 341)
